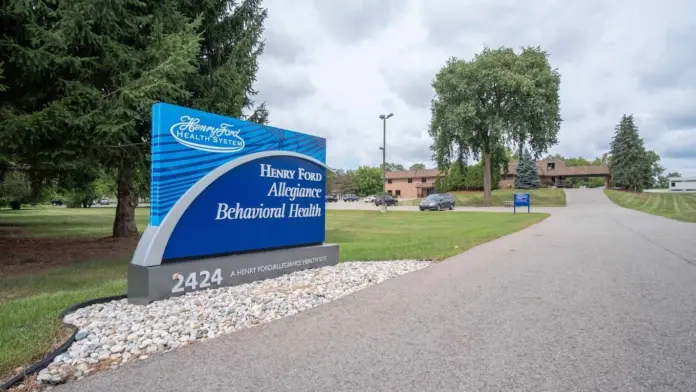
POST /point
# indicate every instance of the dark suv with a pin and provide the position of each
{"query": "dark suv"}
(350, 197)
(331, 198)
(386, 200)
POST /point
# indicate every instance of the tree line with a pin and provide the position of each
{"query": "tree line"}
(78, 78)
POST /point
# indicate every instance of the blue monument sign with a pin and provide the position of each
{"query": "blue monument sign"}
(231, 202)
(521, 200)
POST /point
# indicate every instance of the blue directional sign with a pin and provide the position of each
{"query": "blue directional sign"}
(221, 186)
(521, 200)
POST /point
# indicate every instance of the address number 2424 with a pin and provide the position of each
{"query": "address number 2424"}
(196, 280)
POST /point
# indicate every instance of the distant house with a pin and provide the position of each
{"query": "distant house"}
(682, 184)
(554, 172)
(411, 183)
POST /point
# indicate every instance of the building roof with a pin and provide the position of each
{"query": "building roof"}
(562, 169)
(412, 173)
(595, 170)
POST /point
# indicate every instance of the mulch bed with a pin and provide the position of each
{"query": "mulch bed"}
(23, 255)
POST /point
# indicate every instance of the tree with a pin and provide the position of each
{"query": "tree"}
(417, 166)
(527, 173)
(655, 168)
(340, 181)
(393, 167)
(499, 98)
(368, 180)
(14, 189)
(580, 161)
(630, 164)
(86, 75)
(473, 179)
(33, 132)
(455, 177)
(82, 76)
(663, 181)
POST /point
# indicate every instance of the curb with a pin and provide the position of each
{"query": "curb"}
(48, 358)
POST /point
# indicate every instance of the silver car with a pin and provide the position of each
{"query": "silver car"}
(437, 202)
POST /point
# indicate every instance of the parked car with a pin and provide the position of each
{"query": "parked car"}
(331, 198)
(104, 201)
(369, 199)
(438, 202)
(350, 197)
(386, 200)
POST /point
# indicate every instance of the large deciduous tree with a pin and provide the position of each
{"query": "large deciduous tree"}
(498, 98)
(417, 166)
(630, 164)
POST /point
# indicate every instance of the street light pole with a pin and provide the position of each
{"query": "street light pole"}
(384, 149)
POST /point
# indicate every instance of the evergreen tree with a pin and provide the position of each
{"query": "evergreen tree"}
(527, 173)
(232, 41)
(81, 76)
(629, 163)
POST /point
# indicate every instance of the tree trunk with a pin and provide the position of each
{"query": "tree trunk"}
(487, 186)
(126, 201)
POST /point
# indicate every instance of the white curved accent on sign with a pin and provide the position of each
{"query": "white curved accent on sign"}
(151, 246)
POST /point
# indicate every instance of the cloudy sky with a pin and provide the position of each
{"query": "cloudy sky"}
(331, 67)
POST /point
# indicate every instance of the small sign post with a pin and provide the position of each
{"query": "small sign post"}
(521, 200)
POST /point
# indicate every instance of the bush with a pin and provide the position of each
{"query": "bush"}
(15, 189)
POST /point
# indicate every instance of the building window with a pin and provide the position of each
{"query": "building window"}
(423, 179)
(551, 165)
(388, 181)
(410, 180)
(398, 192)
(389, 192)
(674, 184)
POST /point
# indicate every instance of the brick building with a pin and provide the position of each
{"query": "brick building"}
(554, 172)
(411, 183)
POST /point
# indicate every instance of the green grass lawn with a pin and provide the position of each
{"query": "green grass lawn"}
(679, 206)
(542, 197)
(29, 303)
(64, 222)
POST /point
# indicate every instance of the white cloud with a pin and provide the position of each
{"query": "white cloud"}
(333, 66)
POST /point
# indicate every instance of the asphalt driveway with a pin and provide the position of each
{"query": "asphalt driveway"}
(595, 298)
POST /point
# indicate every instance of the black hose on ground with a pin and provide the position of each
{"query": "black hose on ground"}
(48, 358)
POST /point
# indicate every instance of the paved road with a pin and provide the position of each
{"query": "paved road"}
(595, 298)
(371, 207)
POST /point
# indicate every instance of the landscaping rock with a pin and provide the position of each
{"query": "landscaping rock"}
(117, 332)
(117, 349)
(81, 335)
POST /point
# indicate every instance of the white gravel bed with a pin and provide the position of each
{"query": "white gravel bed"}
(114, 333)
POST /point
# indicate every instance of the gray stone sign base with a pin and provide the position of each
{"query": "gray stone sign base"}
(148, 284)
